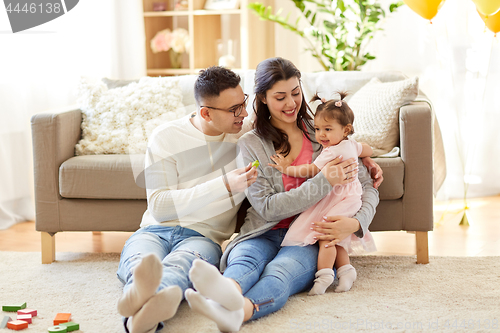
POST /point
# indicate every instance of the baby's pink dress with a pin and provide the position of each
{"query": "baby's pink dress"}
(344, 200)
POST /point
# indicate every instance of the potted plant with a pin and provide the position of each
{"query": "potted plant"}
(336, 31)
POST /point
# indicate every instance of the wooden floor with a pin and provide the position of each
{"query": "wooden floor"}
(480, 238)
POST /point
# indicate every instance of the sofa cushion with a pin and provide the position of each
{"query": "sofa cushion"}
(119, 120)
(114, 177)
(376, 112)
(101, 177)
(394, 170)
(327, 83)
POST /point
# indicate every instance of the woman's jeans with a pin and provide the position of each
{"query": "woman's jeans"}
(177, 248)
(268, 273)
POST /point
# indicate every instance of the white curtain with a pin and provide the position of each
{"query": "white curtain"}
(458, 63)
(40, 70)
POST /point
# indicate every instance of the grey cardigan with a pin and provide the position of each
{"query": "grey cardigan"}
(271, 204)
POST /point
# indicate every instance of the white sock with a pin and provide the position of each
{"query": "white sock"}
(227, 321)
(324, 278)
(146, 279)
(209, 282)
(347, 276)
(158, 308)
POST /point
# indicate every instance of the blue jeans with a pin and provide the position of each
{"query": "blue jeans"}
(177, 248)
(268, 274)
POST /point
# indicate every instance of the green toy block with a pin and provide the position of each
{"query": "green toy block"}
(4, 322)
(58, 329)
(71, 326)
(13, 308)
(255, 163)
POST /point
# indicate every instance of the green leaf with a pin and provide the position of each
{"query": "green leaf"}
(299, 4)
(394, 6)
(341, 5)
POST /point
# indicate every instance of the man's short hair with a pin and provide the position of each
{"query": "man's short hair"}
(212, 81)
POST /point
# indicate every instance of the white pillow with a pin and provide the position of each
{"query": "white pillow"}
(120, 120)
(376, 112)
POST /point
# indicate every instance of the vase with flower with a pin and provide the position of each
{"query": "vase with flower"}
(175, 42)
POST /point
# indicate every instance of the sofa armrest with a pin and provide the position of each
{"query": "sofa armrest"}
(415, 123)
(54, 137)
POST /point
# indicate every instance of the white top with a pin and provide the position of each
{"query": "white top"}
(184, 180)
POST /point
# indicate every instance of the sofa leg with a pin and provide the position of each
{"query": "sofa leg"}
(48, 248)
(422, 247)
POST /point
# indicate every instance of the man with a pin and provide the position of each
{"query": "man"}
(194, 191)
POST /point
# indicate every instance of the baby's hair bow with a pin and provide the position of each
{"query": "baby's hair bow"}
(338, 103)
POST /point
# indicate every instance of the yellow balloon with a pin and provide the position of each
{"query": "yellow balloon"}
(492, 21)
(425, 8)
(487, 7)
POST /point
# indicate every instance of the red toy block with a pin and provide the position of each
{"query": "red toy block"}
(62, 318)
(32, 312)
(17, 325)
(25, 317)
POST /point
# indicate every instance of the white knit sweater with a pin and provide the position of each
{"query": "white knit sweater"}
(184, 179)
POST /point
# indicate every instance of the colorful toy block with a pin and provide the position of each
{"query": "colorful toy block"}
(13, 308)
(32, 312)
(17, 325)
(4, 322)
(62, 318)
(57, 329)
(25, 317)
(71, 326)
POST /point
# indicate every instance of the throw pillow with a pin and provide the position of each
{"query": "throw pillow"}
(376, 112)
(111, 84)
(120, 120)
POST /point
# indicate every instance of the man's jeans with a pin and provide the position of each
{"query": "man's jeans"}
(177, 248)
(268, 273)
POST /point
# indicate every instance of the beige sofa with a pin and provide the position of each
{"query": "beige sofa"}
(99, 192)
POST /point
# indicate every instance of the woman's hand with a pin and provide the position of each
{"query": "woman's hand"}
(375, 171)
(335, 228)
(340, 173)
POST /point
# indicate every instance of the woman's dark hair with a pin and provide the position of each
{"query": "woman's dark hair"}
(212, 81)
(335, 109)
(269, 72)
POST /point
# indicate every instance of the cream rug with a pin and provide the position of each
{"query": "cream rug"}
(391, 294)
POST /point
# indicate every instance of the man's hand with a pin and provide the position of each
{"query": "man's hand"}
(335, 228)
(240, 179)
(340, 173)
(281, 162)
(375, 171)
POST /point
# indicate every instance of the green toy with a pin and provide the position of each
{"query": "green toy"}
(71, 326)
(58, 329)
(255, 163)
(13, 308)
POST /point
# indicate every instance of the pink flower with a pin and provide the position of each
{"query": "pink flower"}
(165, 39)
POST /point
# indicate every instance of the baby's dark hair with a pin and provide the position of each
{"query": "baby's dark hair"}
(335, 109)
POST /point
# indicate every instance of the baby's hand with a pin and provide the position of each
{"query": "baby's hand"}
(281, 163)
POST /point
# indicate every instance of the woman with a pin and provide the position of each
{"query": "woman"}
(259, 275)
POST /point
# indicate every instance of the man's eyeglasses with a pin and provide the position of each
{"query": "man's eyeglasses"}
(236, 110)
